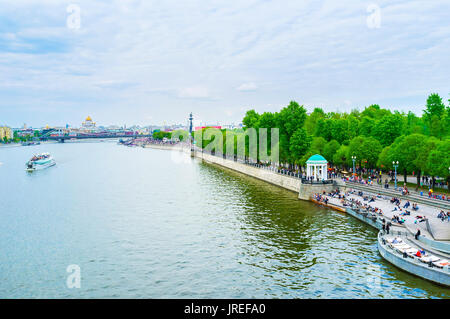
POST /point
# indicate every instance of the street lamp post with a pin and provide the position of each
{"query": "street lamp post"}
(448, 178)
(395, 164)
(354, 159)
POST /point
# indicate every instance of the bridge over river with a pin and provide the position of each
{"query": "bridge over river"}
(53, 135)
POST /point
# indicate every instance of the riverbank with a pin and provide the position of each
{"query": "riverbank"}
(386, 210)
(142, 223)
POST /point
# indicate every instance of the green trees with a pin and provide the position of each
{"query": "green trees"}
(339, 129)
(353, 127)
(299, 144)
(384, 159)
(340, 157)
(376, 136)
(159, 135)
(294, 141)
(330, 150)
(366, 126)
(434, 106)
(366, 150)
(433, 113)
(311, 121)
(251, 119)
(323, 129)
(291, 118)
(439, 160)
(388, 128)
(406, 149)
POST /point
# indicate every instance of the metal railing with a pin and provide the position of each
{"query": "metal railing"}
(396, 193)
(268, 167)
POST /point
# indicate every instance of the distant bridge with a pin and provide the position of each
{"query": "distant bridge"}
(54, 135)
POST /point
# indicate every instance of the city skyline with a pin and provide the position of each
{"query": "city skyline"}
(106, 125)
(132, 62)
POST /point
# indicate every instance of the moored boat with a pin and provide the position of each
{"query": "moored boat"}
(414, 259)
(30, 143)
(40, 161)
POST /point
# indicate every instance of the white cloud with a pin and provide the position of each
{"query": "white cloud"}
(137, 56)
(247, 87)
(197, 92)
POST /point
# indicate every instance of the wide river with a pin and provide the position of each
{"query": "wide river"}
(146, 223)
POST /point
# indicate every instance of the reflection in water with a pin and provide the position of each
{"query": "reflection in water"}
(141, 224)
(306, 247)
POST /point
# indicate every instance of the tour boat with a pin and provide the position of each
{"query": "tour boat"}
(40, 161)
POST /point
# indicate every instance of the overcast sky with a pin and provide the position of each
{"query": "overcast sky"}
(150, 62)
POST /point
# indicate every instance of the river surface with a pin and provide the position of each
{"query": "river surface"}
(147, 223)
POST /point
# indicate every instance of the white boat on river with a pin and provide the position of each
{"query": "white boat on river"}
(40, 161)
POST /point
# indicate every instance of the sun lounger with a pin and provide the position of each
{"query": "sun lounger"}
(431, 258)
(401, 245)
(402, 248)
(391, 239)
(441, 263)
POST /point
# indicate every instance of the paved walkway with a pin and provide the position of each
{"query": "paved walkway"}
(440, 229)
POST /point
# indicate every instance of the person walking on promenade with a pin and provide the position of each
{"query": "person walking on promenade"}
(416, 236)
(388, 226)
(383, 225)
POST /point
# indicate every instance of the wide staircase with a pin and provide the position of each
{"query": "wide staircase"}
(413, 196)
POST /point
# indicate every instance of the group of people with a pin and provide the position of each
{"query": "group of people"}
(405, 190)
(320, 198)
(364, 206)
(403, 211)
(386, 226)
(355, 203)
(426, 180)
(39, 157)
(431, 194)
(420, 219)
(398, 220)
(443, 216)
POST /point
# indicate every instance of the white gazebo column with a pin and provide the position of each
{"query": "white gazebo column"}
(317, 168)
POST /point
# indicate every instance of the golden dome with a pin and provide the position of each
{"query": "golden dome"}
(88, 118)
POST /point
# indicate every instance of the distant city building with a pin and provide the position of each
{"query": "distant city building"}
(6, 132)
(46, 130)
(88, 124)
(211, 126)
(23, 132)
(232, 126)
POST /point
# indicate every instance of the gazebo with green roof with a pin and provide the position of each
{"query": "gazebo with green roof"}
(316, 167)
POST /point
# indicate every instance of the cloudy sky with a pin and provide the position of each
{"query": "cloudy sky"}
(152, 62)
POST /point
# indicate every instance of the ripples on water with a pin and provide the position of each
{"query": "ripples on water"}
(145, 223)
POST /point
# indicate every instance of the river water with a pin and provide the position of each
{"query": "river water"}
(147, 223)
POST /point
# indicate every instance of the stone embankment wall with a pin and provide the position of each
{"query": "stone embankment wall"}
(164, 147)
(287, 182)
(304, 191)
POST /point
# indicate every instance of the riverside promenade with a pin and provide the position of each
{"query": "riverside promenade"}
(370, 205)
(424, 219)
